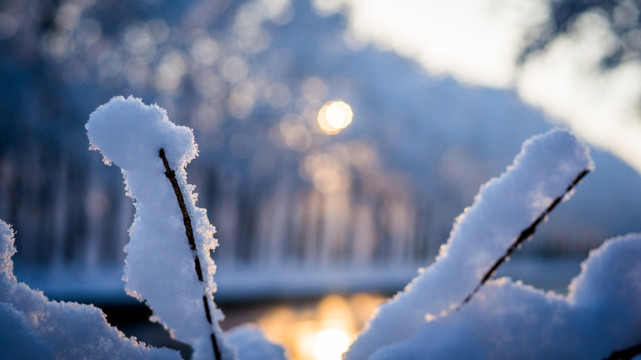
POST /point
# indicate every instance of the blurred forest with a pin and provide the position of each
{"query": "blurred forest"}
(623, 18)
(250, 78)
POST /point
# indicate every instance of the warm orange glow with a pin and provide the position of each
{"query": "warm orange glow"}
(335, 116)
(320, 332)
(330, 343)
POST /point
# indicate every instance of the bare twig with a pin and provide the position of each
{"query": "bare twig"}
(626, 354)
(525, 234)
(171, 175)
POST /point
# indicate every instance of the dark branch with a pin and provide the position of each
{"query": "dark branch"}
(171, 175)
(626, 354)
(523, 236)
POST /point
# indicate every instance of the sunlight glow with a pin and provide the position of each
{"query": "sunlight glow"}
(335, 116)
(330, 343)
(476, 41)
(321, 331)
(480, 42)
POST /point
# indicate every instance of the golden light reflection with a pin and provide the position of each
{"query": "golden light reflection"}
(335, 116)
(323, 331)
(330, 343)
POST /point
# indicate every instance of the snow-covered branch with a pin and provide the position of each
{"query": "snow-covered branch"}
(168, 262)
(524, 235)
(504, 206)
(508, 320)
(189, 232)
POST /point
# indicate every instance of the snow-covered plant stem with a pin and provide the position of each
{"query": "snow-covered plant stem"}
(174, 276)
(523, 236)
(505, 206)
(171, 175)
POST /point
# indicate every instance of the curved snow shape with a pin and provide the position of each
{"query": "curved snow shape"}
(34, 327)
(507, 320)
(505, 206)
(130, 133)
(159, 265)
(252, 344)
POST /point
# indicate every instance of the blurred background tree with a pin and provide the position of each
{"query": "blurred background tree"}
(623, 18)
(376, 190)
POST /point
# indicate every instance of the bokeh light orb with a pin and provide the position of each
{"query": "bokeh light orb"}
(334, 116)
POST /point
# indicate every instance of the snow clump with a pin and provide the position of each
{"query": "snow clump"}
(161, 268)
(506, 320)
(600, 315)
(34, 327)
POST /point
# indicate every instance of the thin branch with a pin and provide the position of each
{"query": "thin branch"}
(171, 175)
(626, 354)
(525, 235)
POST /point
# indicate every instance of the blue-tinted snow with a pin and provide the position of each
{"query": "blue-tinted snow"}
(508, 320)
(33, 327)
(159, 267)
(504, 207)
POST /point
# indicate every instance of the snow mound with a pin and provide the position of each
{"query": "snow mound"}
(252, 344)
(508, 320)
(34, 327)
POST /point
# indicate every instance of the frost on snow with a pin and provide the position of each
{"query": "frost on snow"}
(505, 206)
(33, 327)
(160, 265)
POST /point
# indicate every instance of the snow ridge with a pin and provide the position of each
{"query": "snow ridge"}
(34, 327)
(505, 205)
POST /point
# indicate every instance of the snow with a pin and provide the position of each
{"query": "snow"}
(509, 320)
(503, 319)
(160, 264)
(33, 327)
(161, 269)
(610, 287)
(505, 206)
(252, 345)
